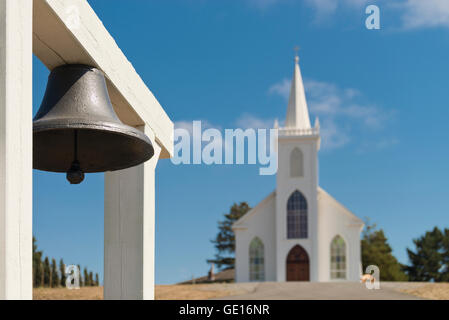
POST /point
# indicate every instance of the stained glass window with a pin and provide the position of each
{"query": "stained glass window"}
(256, 260)
(338, 258)
(297, 216)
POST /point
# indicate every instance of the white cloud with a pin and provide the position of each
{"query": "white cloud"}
(281, 88)
(413, 14)
(326, 99)
(332, 136)
(339, 110)
(325, 8)
(188, 125)
(385, 143)
(247, 120)
(358, 3)
(322, 7)
(425, 13)
(263, 4)
(323, 98)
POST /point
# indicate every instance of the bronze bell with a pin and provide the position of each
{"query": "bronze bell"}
(77, 131)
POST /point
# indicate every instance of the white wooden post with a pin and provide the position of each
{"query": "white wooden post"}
(129, 218)
(16, 149)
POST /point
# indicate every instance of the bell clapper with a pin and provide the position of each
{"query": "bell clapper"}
(75, 175)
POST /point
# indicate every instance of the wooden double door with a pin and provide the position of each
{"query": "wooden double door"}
(298, 264)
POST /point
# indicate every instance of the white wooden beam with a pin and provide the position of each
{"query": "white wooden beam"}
(16, 149)
(69, 31)
(129, 220)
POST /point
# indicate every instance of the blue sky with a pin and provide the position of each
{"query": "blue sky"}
(381, 96)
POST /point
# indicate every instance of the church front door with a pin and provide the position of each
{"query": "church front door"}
(298, 264)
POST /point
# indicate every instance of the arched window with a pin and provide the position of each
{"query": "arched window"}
(297, 216)
(256, 260)
(338, 258)
(296, 163)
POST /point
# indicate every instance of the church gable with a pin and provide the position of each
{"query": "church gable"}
(323, 196)
(243, 222)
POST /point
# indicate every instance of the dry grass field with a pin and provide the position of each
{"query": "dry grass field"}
(434, 291)
(438, 291)
(85, 293)
(162, 292)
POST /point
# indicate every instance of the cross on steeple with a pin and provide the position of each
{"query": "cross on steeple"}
(296, 48)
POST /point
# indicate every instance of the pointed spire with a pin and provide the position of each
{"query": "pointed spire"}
(297, 111)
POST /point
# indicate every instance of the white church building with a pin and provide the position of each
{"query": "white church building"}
(299, 232)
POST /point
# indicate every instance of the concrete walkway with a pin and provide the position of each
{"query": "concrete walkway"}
(321, 291)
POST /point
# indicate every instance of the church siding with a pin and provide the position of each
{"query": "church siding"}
(259, 224)
(334, 221)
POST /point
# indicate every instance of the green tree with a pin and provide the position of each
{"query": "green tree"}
(97, 280)
(37, 266)
(91, 279)
(62, 272)
(446, 255)
(376, 251)
(224, 242)
(86, 278)
(429, 260)
(47, 273)
(54, 274)
(81, 276)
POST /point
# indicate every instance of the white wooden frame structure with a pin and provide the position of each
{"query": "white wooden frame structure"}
(60, 32)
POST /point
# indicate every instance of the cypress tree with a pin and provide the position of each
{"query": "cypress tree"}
(47, 273)
(37, 266)
(62, 272)
(86, 278)
(445, 254)
(97, 280)
(91, 279)
(428, 259)
(54, 274)
(225, 240)
(81, 276)
(377, 251)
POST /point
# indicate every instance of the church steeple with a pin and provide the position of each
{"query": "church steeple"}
(297, 111)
